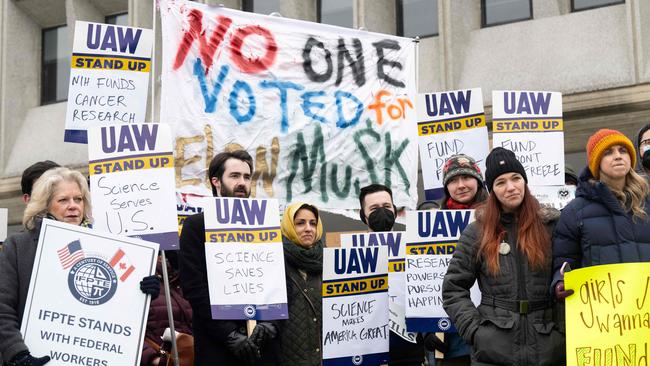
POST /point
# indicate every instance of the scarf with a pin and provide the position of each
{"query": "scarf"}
(453, 205)
(309, 260)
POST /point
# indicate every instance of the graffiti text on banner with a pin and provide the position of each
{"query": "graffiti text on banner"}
(337, 104)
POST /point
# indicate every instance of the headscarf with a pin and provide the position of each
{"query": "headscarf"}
(289, 230)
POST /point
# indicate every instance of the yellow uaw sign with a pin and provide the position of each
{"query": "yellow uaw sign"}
(608, 316)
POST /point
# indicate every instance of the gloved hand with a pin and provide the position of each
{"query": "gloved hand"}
(243, 347)
(24, 358)
(433, 343)
(560, 292)
(150, 285)
(263, 332)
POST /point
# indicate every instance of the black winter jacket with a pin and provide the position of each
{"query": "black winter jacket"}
(300, 335)
(499, 336)
(209, 335)
(595, 229)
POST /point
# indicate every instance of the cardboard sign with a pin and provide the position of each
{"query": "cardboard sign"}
(132, 182)
(554, 196)
(449, 123)
(355, 306)
(394, 240)
(323, 110)
(608, 316)
(530, 124)
(84, 304)
(245, 258)
(109, 77)
(431, 240)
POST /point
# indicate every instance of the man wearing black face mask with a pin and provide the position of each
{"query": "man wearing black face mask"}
(643, 145)
(378, 213)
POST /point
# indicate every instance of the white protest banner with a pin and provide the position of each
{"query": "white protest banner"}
(530, 124)
(109, 77)
(323, 110)
(394, 240)
(554, 196)
(84, 304)
(449, 123)
(132, 182)
(355, 306)
(3, 224)
(431, 240)
(245, 259)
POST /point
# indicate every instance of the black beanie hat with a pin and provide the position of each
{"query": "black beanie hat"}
(643, 130)
(501, 161)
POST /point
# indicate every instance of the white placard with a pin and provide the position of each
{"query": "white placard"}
(109, 77)
(554, 196)
(246, 281)
(449, 123)
(431, 239)
(132, 182)
(244, 258)
(84, 304)
(394, 240)
(3, 224)
(355, 306)
(530, 124)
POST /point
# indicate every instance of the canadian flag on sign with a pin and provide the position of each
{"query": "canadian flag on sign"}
(122, 265)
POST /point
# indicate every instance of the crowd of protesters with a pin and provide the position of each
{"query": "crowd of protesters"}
(516, 250)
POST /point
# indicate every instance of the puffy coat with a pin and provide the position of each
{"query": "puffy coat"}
(158, 321)
(209, 335)
(595, 229)
(16, 262)
(301, 334)
(500, 336)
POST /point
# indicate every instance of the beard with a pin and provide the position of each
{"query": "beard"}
(237, 191)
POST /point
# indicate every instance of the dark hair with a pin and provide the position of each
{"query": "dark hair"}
(310, 208)
(33, 172)
(218, 164)
(373, 188)
(643, 130)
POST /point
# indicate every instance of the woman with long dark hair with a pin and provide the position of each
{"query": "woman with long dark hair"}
(508, 251)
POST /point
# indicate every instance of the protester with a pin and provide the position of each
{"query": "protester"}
(607, 222)
(221, 342)
(31, 174)
(158, 319)
(643, 144)
(60, 194)
(378, 213)
(300, 335)
(508, 251)
(464, 189)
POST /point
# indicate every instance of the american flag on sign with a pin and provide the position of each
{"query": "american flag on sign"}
(70, 254)
(122, 265)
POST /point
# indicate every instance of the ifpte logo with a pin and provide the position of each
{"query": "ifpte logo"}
(92, 281)
(249, 311)
(357, 360)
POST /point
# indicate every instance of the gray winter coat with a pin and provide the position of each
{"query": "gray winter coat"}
(16, 262)
(503, 330)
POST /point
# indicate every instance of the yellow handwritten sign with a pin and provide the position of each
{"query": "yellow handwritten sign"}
(608, 316)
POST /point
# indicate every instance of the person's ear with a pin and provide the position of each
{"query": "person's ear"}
(26, 198)
(362, 216)
(216, 183)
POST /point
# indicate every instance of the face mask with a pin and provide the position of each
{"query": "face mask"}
(381, 219)
(645, 161)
